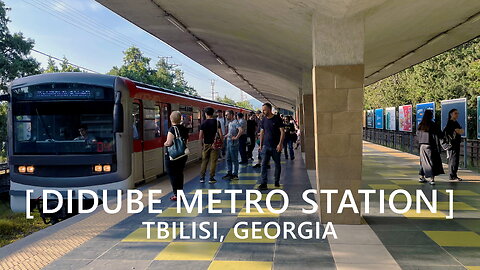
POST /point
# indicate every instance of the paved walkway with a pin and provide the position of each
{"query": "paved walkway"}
(385, 241)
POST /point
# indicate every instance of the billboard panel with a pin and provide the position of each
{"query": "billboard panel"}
(390, 118)
(405, 115)
(461, 105)
(370, 119)
(379, 118)
(422, 107)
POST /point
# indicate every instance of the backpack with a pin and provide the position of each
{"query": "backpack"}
(218, 142)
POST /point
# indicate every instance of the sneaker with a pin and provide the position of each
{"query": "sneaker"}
(202, 179)
(173, 198)
(262, 187)
(235, 177)
(268, 166)
(228, 176)
(422, 179)
(243, 162)
(456, 179)
(286, 157)
(212, 180)
(292, 158)
(257, 165)
(277, 184)
(432, 183)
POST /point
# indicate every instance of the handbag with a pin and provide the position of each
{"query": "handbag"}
(218, 142)
(446, 142)
(179, 148)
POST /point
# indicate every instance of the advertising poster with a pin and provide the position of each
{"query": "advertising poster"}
(405, 118)
(390, 118)
(478, 117)
(379, 118)
(421, 108)
(370, 119)
(461, 105)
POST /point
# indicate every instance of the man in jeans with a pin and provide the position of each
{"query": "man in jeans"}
(223, 122)
(272, 135)
(242, 142)
(235, 130)
(208, 130)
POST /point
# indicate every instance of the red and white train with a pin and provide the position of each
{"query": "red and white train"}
(88, 131)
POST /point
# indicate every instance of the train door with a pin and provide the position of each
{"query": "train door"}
(152, 141)
(165, 123)
(137, 157)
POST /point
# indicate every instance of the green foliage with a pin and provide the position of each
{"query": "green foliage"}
(65, 66)
(244, 104)
(452, 74)
(137, 67)
(14, 51)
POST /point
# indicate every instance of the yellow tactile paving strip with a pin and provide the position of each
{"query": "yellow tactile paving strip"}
(43, 252)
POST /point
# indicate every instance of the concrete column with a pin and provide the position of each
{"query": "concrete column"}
(308, 124)
(338, 76)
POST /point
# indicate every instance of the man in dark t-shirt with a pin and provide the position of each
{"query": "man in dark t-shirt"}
(208, 130)
(272, 135)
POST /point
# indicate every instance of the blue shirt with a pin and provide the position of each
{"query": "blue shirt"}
(271, 130)
(233, 127)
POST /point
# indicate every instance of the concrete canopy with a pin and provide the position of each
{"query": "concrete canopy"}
(263, 47)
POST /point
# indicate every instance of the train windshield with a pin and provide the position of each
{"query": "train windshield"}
(73, 121)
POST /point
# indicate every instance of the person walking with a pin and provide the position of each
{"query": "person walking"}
(290, 137)
(235, 131)
(242, 142)
(209, 129)
(175, 168)
(251, 134)
(223, 122)
(452, 134)
(429, 135)
(272, 135)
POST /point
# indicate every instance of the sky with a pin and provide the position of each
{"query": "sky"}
(94, 37)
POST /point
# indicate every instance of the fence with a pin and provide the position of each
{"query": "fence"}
(406, 142)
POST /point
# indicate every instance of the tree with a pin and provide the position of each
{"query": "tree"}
(136, 67)
(65, 66)
(226, 100)
(15, 50)
(245, 104)
(51, 66)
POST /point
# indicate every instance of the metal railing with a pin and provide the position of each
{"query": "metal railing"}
(406, 142)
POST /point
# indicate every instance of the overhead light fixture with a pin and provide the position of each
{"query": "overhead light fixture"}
(475, 18)
(388, 66)
(203, 45)
(175, 22)
(219, 60)
(437, 38)
(233, 70)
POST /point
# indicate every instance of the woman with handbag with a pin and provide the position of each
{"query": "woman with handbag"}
(428, 135)
(453, 135)
(176, 152)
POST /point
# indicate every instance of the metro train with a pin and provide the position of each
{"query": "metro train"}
(71, 131)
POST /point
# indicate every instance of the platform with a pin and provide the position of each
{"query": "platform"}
(385, 241)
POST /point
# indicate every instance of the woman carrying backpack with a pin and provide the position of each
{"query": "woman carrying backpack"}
(453, 138)
(176, 152)
(428, 135)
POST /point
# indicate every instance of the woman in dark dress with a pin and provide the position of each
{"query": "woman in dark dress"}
(175, 167)
(428, 135)
(454, 132)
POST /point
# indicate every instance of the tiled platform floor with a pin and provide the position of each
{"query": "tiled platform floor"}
(426, 240)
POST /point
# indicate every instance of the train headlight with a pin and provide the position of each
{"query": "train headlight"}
(97, 168)
(30, 169)
(107, 168)
(22, 169)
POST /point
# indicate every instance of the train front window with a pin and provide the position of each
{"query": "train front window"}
(63, 127)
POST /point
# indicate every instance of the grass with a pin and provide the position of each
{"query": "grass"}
(14, 226)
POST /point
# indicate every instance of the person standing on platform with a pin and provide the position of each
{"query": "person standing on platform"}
(271, 144)
(223, 122)
(242, 142)
(259, 155)
(251, 134)
(453, 133)
(235, 131)
(429, 135)
(175, 168)
(290, 137)
(208, 131)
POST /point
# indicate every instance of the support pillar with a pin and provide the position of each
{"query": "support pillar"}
(338, 76)
(308, 123)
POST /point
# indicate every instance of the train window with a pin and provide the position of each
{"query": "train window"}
(187, 121)
(197, 120)
(165, 119)
(158, 123)
(137, 134)
(150, 122)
